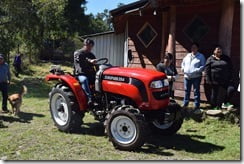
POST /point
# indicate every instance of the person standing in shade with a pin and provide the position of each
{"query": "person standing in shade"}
(166, 66)
(17, 64)
(4, 82)
(219, 75)
(192, 66)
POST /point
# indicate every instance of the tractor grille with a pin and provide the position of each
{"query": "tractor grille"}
(161, 95)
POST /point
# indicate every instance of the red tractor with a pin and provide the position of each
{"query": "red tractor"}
(130, 102)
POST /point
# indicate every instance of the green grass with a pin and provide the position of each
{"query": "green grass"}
(33, 136)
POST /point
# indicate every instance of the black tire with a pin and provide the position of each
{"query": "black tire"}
(64, 109)
(171, 126)
(126, 128)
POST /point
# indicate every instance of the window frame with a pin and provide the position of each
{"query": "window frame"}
(141, 30)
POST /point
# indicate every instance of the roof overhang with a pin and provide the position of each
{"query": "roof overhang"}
(120, 15)
(125, 9)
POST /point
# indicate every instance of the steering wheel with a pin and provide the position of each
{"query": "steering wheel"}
(102, 61)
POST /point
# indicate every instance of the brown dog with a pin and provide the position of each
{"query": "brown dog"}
(16, 99)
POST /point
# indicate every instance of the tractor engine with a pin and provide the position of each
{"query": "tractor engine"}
(146, 89)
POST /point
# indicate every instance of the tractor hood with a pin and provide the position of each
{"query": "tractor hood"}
(137, 73)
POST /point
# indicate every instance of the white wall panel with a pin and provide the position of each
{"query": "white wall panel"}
(110, 46)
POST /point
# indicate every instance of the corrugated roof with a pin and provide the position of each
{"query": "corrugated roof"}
(97, 34)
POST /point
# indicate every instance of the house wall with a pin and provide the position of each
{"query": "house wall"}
(210, 13)
(235, 52)
(184, 16)
(144, 57)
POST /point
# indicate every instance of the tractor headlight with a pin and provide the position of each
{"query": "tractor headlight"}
(156, 84)
(160, 83)
(166, 82)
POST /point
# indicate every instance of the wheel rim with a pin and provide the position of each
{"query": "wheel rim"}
(59, 109)
(123, 129)
(165, 124)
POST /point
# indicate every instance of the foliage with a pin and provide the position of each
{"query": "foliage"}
(102, 22)
(41, 25)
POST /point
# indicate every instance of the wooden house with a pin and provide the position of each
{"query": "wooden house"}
(152, 27)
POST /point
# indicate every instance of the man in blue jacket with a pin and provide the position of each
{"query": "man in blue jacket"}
(4, 81)
(193, 66)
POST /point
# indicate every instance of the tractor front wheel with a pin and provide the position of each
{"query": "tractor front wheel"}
(126, 128)
(64, 109)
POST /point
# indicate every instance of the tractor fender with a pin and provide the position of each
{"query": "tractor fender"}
(74, 85)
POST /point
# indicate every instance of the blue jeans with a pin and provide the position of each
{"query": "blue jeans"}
(85, 85)
(196, 86)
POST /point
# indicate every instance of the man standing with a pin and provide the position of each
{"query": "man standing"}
(4, 81)
(193, 66)
(84, 61)
(17, 64)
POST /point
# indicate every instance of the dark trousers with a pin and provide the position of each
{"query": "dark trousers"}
(171, 90)
(196, 86)
(17, 69)
(229, 93)
(218, 94)
(221, 94)
(4, 90)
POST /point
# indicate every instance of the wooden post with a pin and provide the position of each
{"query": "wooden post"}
(126, 46)
(171, 40)
(226, 24)
(164, 33)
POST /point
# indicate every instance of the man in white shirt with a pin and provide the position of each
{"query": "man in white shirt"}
(192, 66)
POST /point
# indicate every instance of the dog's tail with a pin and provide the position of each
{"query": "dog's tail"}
(23, 90)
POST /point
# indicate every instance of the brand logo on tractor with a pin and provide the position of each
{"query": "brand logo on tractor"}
(115, 78)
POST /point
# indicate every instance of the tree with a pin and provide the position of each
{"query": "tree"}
(101, 22)
(32, 22)
(45, 24)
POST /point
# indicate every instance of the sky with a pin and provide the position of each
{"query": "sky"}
(95, 6)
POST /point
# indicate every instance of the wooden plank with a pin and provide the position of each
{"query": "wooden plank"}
(181, 94)
(178, 62)
(180, 86)
(226, 23)
(171, 38)
(164, 33)
(180, 55)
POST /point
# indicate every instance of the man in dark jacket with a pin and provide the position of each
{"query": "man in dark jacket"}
(17, 64)
(84, 61)
(218, 71)
(4, 81)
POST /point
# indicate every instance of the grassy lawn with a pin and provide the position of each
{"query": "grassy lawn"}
(33, 136)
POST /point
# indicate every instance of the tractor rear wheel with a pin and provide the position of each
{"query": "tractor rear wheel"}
(64, 109)
(170, 123)
(126, 128)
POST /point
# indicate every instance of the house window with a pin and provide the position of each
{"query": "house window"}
(196, 30)
(147, 34)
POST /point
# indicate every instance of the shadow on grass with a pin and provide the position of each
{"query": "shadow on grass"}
(154, 149)
(37, 87)
(179, 142)
(94, 129)
(157, 144)
(23, 117)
